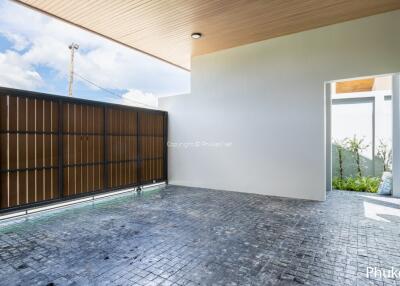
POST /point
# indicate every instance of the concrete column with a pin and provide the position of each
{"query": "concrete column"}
(396, 135)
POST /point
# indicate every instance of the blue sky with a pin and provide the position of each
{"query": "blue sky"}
(34, 55)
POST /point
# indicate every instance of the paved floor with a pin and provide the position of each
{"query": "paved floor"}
(188, 236)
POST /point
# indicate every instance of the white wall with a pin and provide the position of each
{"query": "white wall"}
(267, 98)
(353, 117)
(367, 115)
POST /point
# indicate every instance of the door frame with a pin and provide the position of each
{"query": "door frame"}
(396, 134)
(395, 130)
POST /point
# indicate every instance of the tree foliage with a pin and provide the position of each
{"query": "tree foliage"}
(356, 146)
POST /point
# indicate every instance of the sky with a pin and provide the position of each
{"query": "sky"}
(34, 55)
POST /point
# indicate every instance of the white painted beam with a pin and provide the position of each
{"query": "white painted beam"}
(328, 136)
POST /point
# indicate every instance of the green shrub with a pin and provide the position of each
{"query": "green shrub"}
(358, 184)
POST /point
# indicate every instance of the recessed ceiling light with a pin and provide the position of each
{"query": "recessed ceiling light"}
(196, 35)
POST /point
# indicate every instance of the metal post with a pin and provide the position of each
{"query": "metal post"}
(105, 142)
(165, 147)
(138, 161)
(60, 150)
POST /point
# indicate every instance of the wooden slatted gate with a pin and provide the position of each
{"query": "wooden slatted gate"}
(56, 148)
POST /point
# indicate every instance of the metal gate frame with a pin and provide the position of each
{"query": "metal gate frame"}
(63, 100)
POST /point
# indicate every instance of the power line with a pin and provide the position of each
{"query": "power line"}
(110, 92)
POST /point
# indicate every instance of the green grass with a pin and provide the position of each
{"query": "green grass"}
(357, 184)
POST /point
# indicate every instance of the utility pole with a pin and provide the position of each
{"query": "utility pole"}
(72, 47)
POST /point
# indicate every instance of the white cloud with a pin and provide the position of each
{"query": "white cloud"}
(17, 73)
(19, 42)
(43, 41)
(139, 98)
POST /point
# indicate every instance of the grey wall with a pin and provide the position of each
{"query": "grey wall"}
(267, 99)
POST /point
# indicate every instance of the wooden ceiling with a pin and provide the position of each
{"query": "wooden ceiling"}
(162, 28)
(358, 85)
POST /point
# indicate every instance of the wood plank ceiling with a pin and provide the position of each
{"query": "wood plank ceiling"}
(358, 85)
(162, 28)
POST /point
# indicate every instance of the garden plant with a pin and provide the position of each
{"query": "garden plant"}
(359, 183)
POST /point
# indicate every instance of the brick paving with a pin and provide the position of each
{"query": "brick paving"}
(190, 236)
